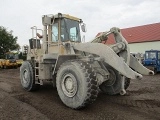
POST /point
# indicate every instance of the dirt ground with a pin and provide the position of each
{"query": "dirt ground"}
(142, 102)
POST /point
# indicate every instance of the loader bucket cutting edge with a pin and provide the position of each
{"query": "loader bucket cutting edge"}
(110, 57)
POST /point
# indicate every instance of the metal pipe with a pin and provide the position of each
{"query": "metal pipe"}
(96, 40)
(45, 39)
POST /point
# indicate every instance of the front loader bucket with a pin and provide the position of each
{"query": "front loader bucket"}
(110, 57)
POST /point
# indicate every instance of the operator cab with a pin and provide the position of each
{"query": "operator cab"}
(152, 57)
(152, 54)
(64, 27)
(59, 31)
(152, 60)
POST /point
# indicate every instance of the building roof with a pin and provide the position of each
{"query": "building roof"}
(138, 34)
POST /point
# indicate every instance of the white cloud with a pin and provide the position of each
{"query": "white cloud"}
(99, 15)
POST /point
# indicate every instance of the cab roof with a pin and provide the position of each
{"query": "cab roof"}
(60, 15)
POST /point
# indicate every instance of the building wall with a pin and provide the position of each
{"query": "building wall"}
(142, 47)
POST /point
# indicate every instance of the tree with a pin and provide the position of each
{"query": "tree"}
(7, 42)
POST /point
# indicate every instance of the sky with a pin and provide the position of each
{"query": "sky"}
(98, 15)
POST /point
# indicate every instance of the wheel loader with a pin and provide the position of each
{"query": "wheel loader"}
(78, 70)
(9, 61)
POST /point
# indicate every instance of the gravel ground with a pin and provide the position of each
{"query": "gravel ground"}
(142, 102)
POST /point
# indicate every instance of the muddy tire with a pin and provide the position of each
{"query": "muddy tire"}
(127, 83)
(54, 80)
(113, 85)
(27, 76)
(76, 84)
(5, 67)
(15, 67)
(1, 67)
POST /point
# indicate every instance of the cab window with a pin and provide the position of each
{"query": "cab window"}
(55, 32)
(70, 30)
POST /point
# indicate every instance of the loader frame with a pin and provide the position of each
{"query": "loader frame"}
(78, 69)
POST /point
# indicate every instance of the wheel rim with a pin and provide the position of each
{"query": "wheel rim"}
(112, 78)
(69, 85)
(25, 77)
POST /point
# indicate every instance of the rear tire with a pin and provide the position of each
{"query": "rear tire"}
(113, 85)
(76, 84)
(54, 80)
(15, 67)
(27, 76)
(5, 67)
(2, 66)
(127, 83)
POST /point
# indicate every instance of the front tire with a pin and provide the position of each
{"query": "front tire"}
(27, 76)
(76, 84)
(113, 85)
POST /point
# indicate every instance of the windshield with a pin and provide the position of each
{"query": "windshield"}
(70, 30)
(150, 55)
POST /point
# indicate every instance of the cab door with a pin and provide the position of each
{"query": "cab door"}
(53, 38)
(55, 45)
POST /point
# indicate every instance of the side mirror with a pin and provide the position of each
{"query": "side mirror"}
(46, 20)
(83, 27)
